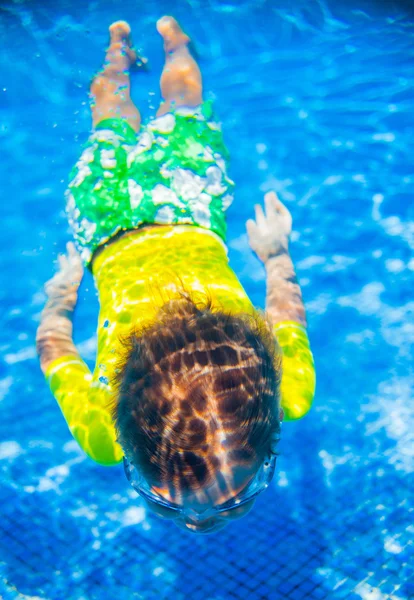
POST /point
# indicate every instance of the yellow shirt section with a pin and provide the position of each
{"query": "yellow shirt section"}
(298, 371)
(135, 276)
(83, 402)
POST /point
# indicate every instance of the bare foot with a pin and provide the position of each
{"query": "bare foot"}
(181, 83)
(110, 88)
(120, 38)
(174, 37)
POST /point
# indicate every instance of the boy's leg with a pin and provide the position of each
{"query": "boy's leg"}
(181, 83)
(110, 89)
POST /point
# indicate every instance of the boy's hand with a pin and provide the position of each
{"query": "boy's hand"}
(269, 233)
(63, 286)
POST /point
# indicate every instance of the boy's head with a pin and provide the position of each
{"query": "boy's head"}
(197, 411)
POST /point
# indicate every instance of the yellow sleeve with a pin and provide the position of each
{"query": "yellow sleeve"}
(298, 371)
(84, 406)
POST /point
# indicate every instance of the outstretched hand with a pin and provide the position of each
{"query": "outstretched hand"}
(65, 283)
(269, 233)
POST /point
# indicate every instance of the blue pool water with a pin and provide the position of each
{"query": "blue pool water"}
(316, 100)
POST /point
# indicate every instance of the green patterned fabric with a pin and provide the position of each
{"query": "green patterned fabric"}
(173, 172)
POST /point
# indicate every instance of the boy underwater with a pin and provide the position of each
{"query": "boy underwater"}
(188, 388)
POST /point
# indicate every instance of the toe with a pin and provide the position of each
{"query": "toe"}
(166, 24)
(171, 31)
(120, 30)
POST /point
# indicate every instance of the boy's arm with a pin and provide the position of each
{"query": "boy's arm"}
(54, 334)
(84, 404)
(283, 294)
(269, 238)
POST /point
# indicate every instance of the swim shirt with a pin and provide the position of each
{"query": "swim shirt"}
(132, 275)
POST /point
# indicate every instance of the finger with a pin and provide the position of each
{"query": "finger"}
(62, 260)
(260, 217)
(284, 212)
(277, 203)
(271, 196)
(271, 205)
(274, 207)
(282, 208)
(251, 228)
(72, 252)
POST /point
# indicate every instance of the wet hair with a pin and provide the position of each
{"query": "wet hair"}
(193, 381)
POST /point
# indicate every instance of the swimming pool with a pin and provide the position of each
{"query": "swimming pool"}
(316, 101)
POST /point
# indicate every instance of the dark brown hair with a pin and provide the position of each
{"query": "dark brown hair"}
(192, 375)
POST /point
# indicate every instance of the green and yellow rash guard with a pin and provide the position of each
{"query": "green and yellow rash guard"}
(133, 276)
